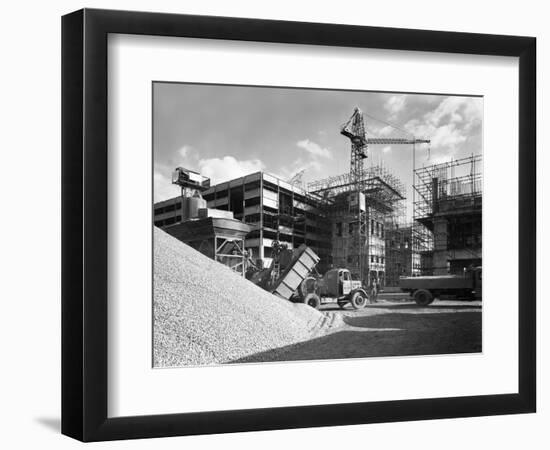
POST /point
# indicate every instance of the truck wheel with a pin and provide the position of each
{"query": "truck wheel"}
(358, 300)
(422, 297)
(312, 300)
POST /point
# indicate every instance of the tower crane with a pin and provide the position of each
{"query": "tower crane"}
(354, 129)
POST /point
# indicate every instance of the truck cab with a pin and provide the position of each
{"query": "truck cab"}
(336, 286)
(338, 283)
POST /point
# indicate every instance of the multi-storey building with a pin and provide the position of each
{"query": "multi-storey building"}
(401, 259)
(449, 208)
(275, 210)
(324, 217)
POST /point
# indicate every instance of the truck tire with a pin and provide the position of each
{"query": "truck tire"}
(313, 300)
(358, 300)
(422, 297)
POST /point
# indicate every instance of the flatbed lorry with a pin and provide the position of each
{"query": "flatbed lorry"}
(425, 289)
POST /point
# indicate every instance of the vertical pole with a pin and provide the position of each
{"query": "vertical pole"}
(278, 211)
(413, 179)
(261, 248)
(292, 213)
(243, 206)
(182, 206)
(415, 244)
(228, 196)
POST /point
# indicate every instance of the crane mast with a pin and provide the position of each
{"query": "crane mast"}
(354, 130)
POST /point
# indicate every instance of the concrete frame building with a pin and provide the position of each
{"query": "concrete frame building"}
(324, 217)
(402, 260)
(359, 222)
(448, 213)
(275, 210)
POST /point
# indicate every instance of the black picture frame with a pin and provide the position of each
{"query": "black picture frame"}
(84, 224)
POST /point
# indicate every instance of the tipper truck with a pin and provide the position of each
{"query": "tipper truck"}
(335, 286)
(425, 289)
(292, 276)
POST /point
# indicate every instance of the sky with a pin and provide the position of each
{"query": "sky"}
(225, 132)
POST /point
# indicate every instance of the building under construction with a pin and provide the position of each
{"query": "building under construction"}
(359, 219)
(447, 215)
(355, 220)
(402, 258)
(325, 217)
(276, 210)
(214, 232)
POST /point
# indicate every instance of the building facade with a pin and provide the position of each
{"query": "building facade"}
(276, 211)
(334, 222)
(450, 209)
(401, 259)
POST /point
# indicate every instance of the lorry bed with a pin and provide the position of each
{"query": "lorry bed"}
(303, 262)
(447, 282)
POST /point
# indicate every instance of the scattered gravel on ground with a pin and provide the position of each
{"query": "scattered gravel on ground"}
(204, 313)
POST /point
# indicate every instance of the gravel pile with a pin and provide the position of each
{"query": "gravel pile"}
(206, 314)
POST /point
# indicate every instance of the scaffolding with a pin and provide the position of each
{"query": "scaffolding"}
(379, 184)
(380, 204)
(447, 215)
(401, 258)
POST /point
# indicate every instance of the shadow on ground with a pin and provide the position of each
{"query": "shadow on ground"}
(392, 333)
(412, 307)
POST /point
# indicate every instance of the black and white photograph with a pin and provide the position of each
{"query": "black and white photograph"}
(275, 225)
(299, 224)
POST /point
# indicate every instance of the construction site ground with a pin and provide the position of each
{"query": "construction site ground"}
(395, 326)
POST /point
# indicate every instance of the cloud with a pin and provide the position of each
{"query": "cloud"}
(186, 156)
(314, 148)
(449, 124)
(228, 168)
(395, 104)
(449, 110)
(448, 136)
(311, 167)
(313, 162)
(163, 188)
(385, 131)
(185, 151)
(217, 169)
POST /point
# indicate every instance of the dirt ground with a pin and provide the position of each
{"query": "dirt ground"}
(392, 327)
